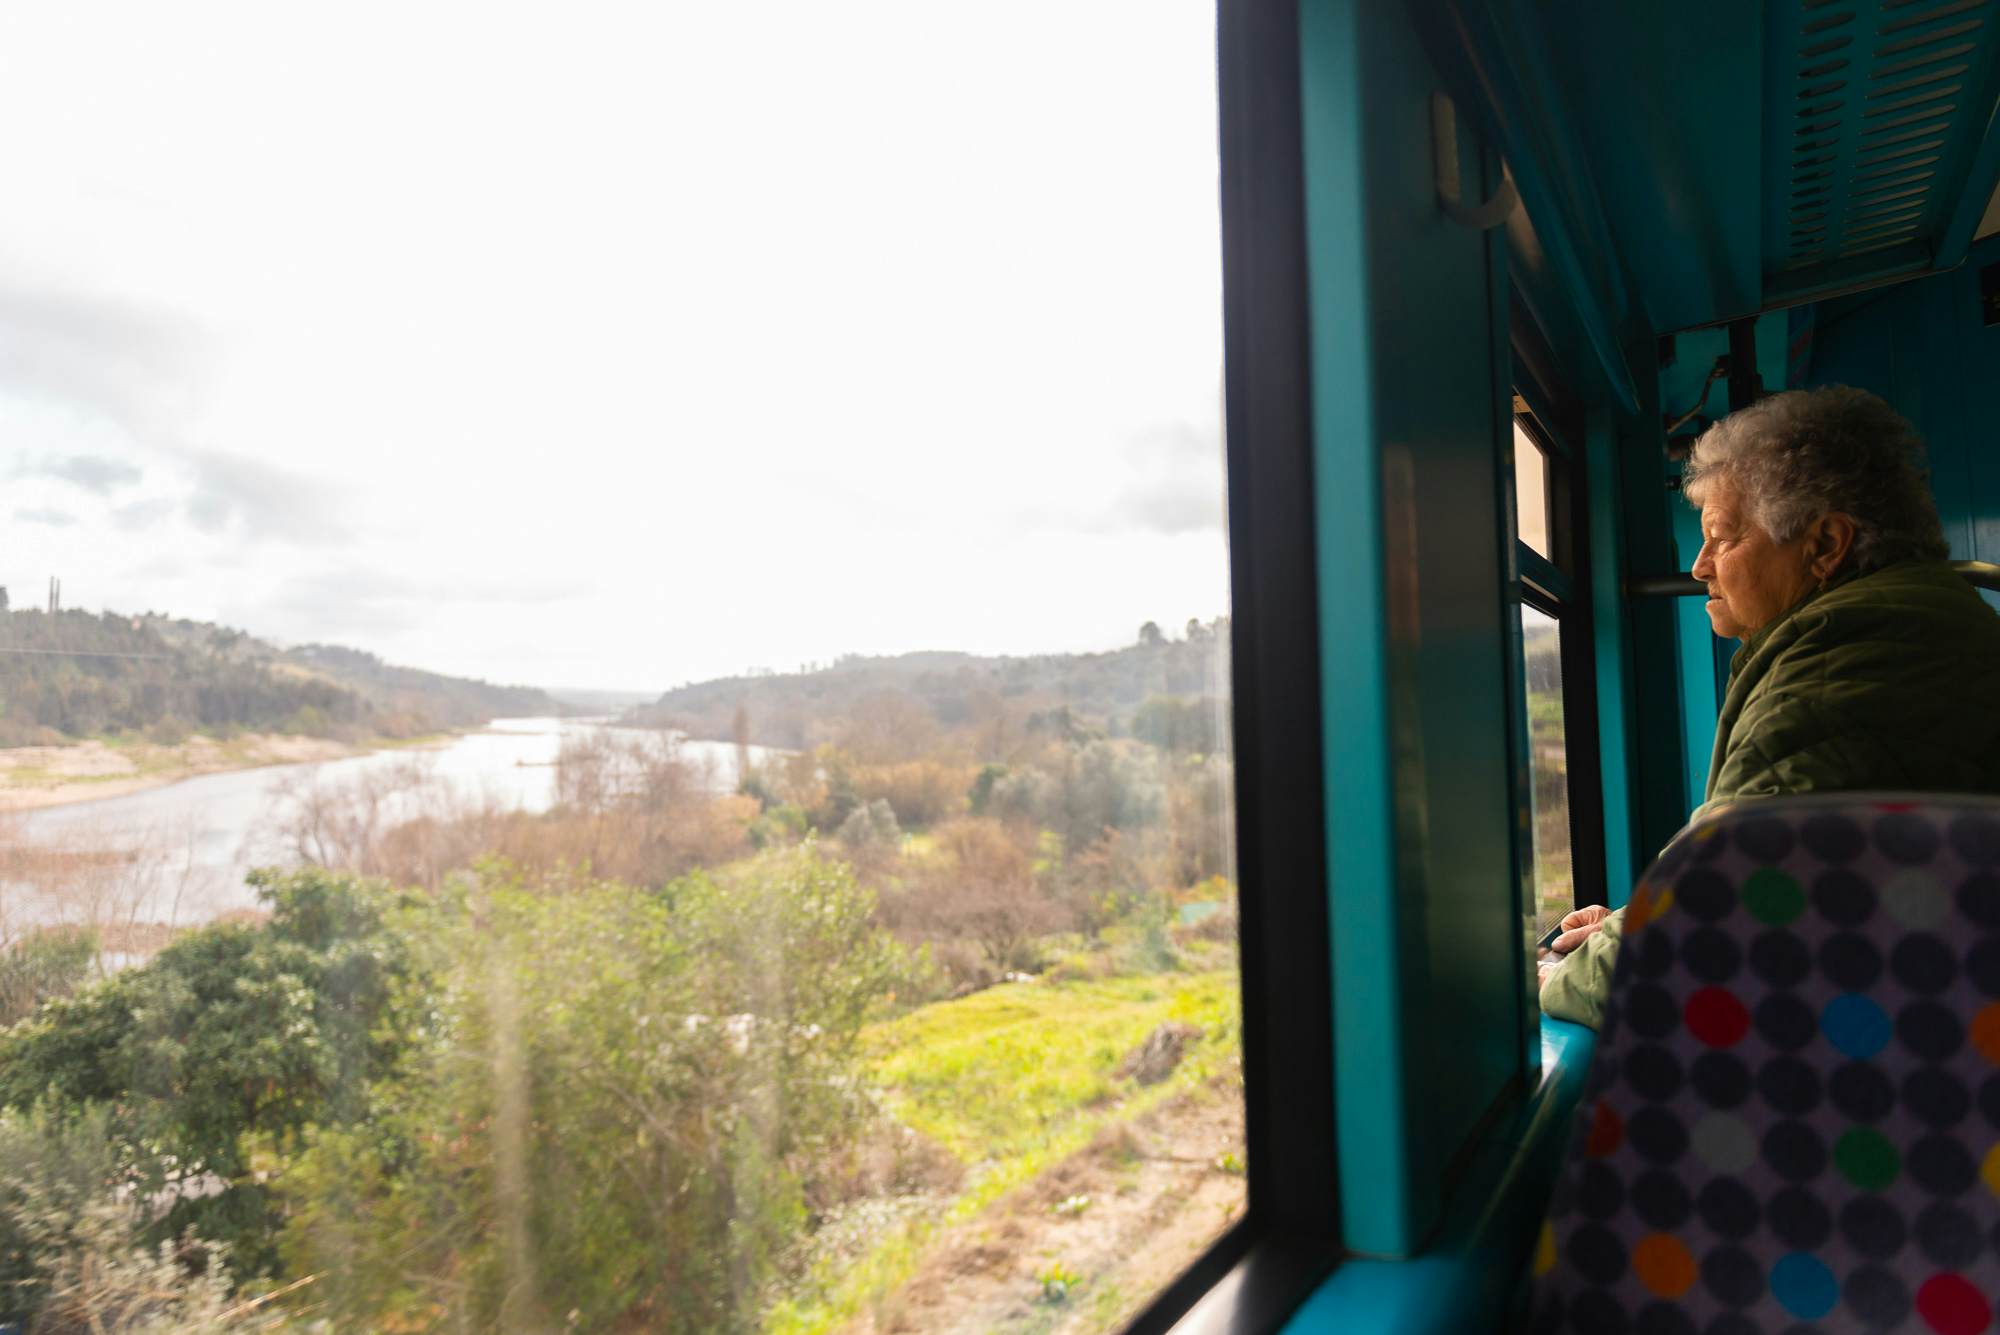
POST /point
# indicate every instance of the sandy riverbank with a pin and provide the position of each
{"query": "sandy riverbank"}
(50, 776)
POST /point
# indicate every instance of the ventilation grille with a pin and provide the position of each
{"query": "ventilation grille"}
(1875, 109)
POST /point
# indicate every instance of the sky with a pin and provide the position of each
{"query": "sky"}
(615, 346)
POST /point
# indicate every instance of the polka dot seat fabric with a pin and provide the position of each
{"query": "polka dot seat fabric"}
(1792, 1123)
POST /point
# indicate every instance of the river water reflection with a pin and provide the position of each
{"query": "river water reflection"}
(198, 838)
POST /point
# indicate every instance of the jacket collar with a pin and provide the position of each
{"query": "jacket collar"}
(1762, 635)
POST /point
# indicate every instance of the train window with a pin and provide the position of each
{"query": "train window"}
(690, 550)
(1557, 671)
(1531, 492)
(1548, 766)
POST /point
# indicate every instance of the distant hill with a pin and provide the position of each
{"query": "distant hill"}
(75, 674)
(1103, 691)
(593, 701)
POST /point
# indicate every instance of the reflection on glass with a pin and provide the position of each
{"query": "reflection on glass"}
(1531, 492)
(1548, 767)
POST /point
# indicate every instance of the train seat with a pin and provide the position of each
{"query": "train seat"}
(1792, 1122)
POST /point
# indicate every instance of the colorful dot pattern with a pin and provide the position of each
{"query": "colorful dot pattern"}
(1793, 1120)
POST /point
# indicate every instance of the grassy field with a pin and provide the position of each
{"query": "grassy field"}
(1010, 1080)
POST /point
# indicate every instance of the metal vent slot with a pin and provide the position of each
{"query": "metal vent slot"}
(1853, 251)
(1882, 231)
(1913, 62)
(1871, 135)
(1926, 38)
(1867, 217)
(1900, 222)
(1930, 96)
(1889, 182)
(1912, 20)
(1918, 80)
(1883, 196)
(1882, 137)
(1927, 113)
(1891, 168)
(1904, 151)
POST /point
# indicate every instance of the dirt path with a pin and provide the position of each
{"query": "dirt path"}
(1158, 1192)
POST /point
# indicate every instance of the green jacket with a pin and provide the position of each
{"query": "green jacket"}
(1883, 682)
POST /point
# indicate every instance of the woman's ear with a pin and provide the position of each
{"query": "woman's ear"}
(1828, 541)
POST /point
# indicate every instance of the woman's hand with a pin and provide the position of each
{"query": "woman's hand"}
(1577, 927)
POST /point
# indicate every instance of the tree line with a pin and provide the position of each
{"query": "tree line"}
(801, 709)
(72, 674)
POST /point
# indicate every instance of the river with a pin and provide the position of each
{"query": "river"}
(192, 842)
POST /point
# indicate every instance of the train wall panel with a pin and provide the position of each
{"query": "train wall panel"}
(1430, 971)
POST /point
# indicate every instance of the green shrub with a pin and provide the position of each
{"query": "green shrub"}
(613, 1108)
(41, 966)
(231, 1037)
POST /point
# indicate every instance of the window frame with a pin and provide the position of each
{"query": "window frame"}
(1255, 1276)
(1560, 588)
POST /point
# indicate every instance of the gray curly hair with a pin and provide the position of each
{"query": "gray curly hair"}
(1803, 453)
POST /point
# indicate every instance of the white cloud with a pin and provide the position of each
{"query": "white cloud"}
(746, 335)
(53, 518)
(94, 473)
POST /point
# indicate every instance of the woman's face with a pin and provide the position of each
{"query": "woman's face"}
(1751, 578)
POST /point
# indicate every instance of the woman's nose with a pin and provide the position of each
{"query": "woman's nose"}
(1703, 567)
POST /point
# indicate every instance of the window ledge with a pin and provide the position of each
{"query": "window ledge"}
(1465, 1280)
(1258, 1292)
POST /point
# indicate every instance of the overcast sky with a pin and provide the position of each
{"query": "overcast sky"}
(615, 346)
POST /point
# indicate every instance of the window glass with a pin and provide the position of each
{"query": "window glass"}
(614, 675)
(1531, 492)
(1548, 766)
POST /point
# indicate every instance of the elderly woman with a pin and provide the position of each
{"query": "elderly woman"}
(1866, 662)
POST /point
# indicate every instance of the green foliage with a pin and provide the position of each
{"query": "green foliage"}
(230, 1036)
(981, 793)
(1056, 1278)
(840, 797)
(1002, 1071)
(52, 1168)
(108, 673)
(779, 827)
(870, 825)
(71, 1253)
(116, 691)
(1094, 789)
(43, 965)
(787, 709)
(611, 1107)
(1180, 725)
